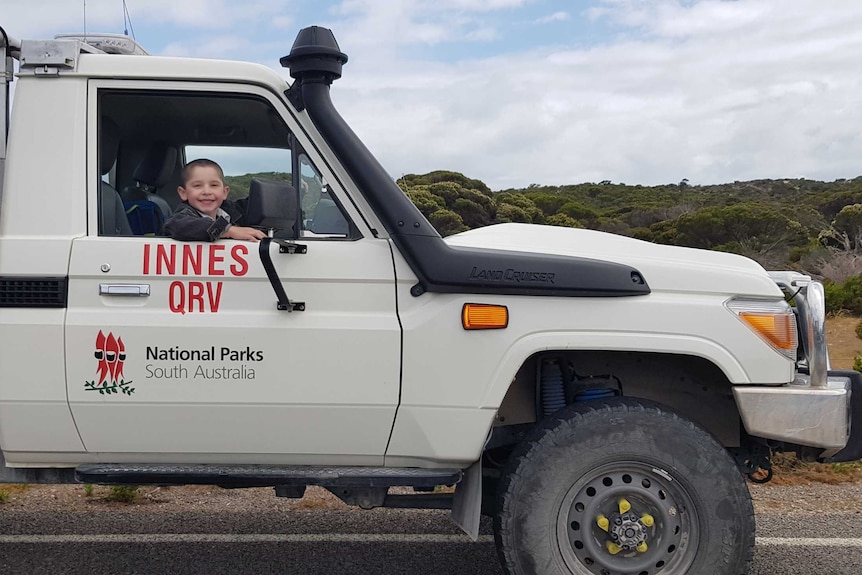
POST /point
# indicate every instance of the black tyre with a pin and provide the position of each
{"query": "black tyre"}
(618, 487)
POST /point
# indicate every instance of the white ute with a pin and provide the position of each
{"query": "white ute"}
(601, 397)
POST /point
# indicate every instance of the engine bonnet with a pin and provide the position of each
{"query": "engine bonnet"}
(665, 268)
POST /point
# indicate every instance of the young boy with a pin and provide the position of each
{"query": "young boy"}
(206, 214)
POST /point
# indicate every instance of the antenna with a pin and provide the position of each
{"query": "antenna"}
(85, 19)
(127, 21)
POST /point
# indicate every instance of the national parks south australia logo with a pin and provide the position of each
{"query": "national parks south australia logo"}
(110, 355)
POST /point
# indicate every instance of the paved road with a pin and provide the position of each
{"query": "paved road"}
(338, 542)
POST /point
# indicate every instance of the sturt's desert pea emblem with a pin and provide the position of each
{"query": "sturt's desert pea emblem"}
(110, 356)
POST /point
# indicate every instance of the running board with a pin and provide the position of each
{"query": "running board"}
(264, 475)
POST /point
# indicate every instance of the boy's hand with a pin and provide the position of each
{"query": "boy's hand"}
(243, 233)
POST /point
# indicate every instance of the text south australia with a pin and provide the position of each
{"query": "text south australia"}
(213, 363)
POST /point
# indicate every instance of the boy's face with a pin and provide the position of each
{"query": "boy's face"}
(204, 190)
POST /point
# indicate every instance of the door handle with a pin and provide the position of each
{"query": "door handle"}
(133, 290)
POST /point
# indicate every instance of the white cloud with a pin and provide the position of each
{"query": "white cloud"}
(482, 34)
(43, 18)
(284, 23)
(25, 20)
(710, 91)
(694, 98)
(474, 5)
(386, 25)
(212, 47)
(555, 17)
(212, 14)
(424, 6)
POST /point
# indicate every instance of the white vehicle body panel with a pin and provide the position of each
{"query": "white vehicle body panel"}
(467, 390)
(666, 268)
(156, 68)
(300, 378)
(365, 360)
(38, 392)
(167, 362)
(46, 125)
(37, 230)
(331, 368)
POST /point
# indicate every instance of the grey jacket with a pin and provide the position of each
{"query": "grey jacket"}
(189, 225)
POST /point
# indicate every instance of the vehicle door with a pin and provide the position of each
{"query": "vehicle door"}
(177, 351)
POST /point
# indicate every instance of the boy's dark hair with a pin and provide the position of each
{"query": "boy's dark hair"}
(200, 163)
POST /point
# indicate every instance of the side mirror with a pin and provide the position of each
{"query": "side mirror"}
(273, 205)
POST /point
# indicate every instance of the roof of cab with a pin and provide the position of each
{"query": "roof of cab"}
(174, 68)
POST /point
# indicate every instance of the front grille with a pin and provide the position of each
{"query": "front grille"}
(33, 291)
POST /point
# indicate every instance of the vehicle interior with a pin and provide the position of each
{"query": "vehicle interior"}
(147, 136)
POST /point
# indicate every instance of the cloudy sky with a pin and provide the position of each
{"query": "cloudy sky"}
(515, 92)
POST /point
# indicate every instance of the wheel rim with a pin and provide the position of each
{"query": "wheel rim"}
(624, 518)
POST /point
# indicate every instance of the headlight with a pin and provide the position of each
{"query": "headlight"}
(773, 321)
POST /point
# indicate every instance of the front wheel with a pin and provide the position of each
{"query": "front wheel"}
(620, 487)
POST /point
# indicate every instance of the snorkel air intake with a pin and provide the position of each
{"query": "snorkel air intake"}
(315, 56)
(315, 61)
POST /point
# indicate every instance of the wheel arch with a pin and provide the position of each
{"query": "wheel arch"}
(596, 341)
(693, 386)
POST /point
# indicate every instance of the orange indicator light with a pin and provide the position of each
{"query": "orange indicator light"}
(484, 316)
(778, 329)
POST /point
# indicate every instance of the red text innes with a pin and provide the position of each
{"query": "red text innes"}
(195, 259)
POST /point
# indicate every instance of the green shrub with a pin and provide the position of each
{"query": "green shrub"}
(857, 363)
(88, 490)
(447, 222)
(844, 296)
(578, 211)
(796, 253)
(563, 220)
(834, 297)
(123, 493)
(853, 294)
(4, 496)
(512, 213)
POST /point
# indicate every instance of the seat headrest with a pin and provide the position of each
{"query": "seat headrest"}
(157, 166)
(272, 205)
(109, 144)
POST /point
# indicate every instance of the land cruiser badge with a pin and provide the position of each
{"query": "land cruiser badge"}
(110, 355)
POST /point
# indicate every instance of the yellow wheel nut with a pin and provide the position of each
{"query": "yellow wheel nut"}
(603, 522)
(613, 548)
(647, 519)
(642, 547)
(624, 505)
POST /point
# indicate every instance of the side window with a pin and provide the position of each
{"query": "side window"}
(322, 216)
(147, 136)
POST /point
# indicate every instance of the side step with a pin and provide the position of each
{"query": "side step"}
(264, 475)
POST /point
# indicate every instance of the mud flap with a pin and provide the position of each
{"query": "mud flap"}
(51, 475)
(467, 506)
(853, 450)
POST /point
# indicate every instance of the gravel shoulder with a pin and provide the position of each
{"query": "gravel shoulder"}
(74, 498)
(808, 498)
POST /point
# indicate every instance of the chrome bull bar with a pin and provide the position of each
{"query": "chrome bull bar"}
(810, 302)
(814, 409)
